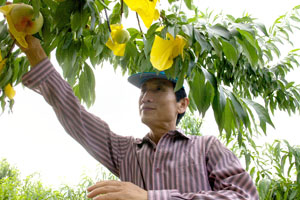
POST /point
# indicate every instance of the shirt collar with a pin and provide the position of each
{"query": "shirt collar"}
(178, 133)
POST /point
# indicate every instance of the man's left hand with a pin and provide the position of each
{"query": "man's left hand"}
(112, 190)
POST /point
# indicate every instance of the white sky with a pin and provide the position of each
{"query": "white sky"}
(33, 140)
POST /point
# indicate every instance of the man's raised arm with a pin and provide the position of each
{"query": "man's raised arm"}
(90, 131)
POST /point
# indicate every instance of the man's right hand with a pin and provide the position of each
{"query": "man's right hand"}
(35, 52)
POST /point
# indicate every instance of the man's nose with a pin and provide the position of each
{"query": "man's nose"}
(147, 97)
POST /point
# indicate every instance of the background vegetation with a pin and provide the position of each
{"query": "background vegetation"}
(233, 65)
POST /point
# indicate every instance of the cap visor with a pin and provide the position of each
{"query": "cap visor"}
(140, 78)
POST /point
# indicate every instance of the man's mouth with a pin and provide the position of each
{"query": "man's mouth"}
(147, 108)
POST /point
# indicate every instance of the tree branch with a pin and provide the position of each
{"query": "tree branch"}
(107, 20)
(121, 10)
(137, 16)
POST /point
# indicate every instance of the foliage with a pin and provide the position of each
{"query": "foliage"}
(275, 167)
(13, 188)
(191, 124)
(227, 63)
(282, 181)
(276, 170)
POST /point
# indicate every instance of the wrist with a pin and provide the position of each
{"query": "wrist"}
(35, 56)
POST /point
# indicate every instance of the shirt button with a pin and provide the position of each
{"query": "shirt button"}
(157, 170)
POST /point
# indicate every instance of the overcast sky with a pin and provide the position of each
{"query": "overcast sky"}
(33, 140)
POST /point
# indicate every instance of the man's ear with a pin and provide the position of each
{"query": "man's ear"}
(183, 104)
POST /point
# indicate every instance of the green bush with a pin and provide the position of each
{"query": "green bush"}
(13, 188)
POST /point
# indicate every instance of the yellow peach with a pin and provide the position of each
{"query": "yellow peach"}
(22, 16)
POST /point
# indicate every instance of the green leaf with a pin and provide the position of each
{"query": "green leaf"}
(293, 195)
(263, 188)
(5, 77)
(262, 113)
(189, 4)
(202, 92)
(230, 52)
(274, 48)
(245, 27)
(218, 106)
(219, 30)
(171, 1)
(152, 30)
(91, 83)
(247, 159)
(180, 80)
(36, 4)
(76, 21)
(148, 45)
(92, 8)
(70, 64)
(228, 119)
(239, 109)
(262, 28)
(2, 2)
(188, 30)
(217, 47)
(171, 30)
(83, 88)
(240, 138)
(283, 159)
(192, 105)
(50, 4)
(16, 69)
(252, 171)
(249, 51)
(134, 33)
(68, 40)
(209, 77)
(3, 30)
(296, 19)
(97, 45)
(205, 46)
(86, 86)
(62, 14)
(249, 37)
(130, 50)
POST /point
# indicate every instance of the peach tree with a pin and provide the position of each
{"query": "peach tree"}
(228, 62)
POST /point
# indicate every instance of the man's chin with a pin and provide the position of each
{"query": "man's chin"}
(147, 120)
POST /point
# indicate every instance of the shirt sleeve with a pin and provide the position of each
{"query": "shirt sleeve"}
(90, 131)
(227, 178)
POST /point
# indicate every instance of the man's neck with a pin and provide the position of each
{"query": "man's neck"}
(157, 132)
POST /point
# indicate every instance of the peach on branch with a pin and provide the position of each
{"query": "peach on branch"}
(122, 36)
(22, 16)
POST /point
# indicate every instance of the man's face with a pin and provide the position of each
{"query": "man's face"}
(157, 103)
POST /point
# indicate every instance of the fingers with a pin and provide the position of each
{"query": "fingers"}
(104, 183)
(116, 190)
(104, 188)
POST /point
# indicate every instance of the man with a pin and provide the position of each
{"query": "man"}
(165, 164)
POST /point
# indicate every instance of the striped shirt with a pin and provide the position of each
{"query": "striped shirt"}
(178, 167)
